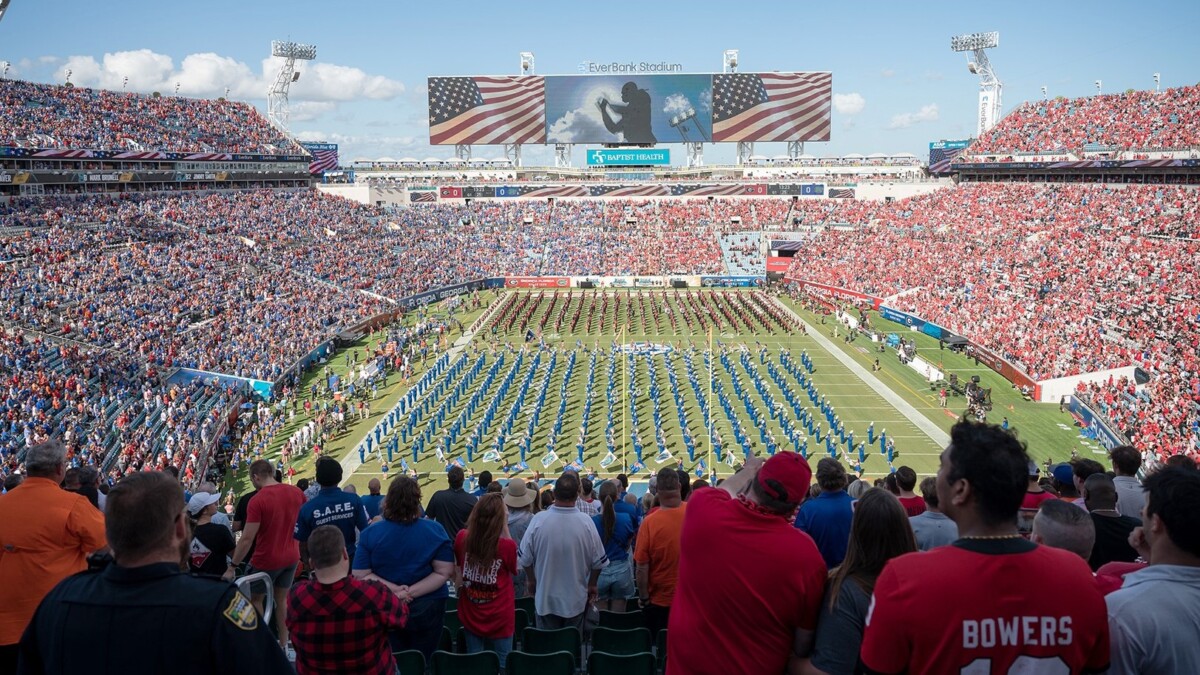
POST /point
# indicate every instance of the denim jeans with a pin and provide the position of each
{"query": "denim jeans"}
(424, 628)
(502, 646)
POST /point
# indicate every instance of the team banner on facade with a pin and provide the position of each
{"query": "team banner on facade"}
(537, 282)
(735, 281)
(623, 190)
(631, 108)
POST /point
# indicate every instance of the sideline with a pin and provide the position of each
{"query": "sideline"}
(933, 431)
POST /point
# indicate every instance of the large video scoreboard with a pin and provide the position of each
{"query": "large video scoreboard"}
(632, 109)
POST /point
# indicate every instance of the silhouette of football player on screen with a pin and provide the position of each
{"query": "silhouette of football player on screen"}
(635, 115)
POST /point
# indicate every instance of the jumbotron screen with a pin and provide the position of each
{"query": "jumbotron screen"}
(630, 109)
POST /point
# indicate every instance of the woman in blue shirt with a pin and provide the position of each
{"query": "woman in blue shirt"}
(616, 532)
(414, 558)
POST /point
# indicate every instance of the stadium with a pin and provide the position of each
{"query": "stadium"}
(188, 288)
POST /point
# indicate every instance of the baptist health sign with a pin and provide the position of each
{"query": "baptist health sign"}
(631, 157)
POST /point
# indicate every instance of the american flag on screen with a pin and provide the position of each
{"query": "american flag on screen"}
(324, 157)
(487, 110)
(771, 106)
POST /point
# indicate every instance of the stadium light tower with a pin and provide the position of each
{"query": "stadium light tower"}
(729, 64)
(990, 87)
(1157, 78)
(1099, 88)
(277, 95)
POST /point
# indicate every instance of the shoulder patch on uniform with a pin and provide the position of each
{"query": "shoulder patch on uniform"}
(241, 613)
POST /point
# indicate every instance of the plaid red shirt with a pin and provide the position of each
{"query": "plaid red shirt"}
(343, 627)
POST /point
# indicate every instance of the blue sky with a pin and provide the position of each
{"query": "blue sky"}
(898, 84)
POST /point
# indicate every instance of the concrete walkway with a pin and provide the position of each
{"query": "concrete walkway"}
(926, 425)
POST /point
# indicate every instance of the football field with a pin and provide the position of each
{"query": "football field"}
(609, 380)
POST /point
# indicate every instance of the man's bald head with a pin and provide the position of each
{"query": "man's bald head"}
(1099, 492)
(373, 486)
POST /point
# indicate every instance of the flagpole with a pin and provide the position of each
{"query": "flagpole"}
(711, 466)
(624, 399)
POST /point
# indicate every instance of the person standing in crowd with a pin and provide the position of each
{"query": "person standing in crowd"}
(211, 544)
(485, 563)
(657, 552)
(750, 584)
(1112, 528)
(827, 518)
(270, 522)
(374, 500)
(1126, 461)
(46, 534)
(414, 558)
(906, 480)
(520, 500)
(932, 528)
(485, 479)
(1155, 617)
(1064, 482)
(615, 585)
(451, 507)
(939, 612)
(98, 622)
(1063, 525)
(1081, 470)
(587, 498)
(331, 506)
(340, 624)
(562, 555)
(879, 533)
(1034, 496)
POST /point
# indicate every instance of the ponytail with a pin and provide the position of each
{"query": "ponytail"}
(608, 512)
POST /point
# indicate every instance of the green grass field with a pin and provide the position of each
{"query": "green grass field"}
(586, 324)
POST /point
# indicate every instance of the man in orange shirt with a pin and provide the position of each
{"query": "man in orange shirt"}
(657, 551)
(46, 534)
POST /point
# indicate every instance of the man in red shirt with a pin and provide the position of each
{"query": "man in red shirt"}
(270, 523)
(750, 584)
(339, 623)
(989, 603)
(906, 480)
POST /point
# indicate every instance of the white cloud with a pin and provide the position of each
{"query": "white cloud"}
(677, 103)
(576, 125)
(934, 75)
(305, 111)
(584, 123)
(927, 113)
(849, 104)
(208, 75)
(887, 72)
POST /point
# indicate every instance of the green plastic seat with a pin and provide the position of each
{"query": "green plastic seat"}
(621, 642)
(538, 641)
(481, 663)
(526, 603)
(410, 662)
(600, 663)
(622, 620)
(524, 663)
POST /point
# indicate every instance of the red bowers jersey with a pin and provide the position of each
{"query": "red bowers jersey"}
(984, 607)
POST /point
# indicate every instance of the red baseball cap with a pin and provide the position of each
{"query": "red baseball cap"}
(786, 477)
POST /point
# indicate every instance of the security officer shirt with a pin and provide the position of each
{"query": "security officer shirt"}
(333, 506)
(151, 619)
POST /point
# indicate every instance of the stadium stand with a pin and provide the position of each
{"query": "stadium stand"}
(1136, 120)
(1059, 279)
(36, 115)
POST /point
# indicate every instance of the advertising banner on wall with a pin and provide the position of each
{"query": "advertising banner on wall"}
(537, 282)
(735, 281)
